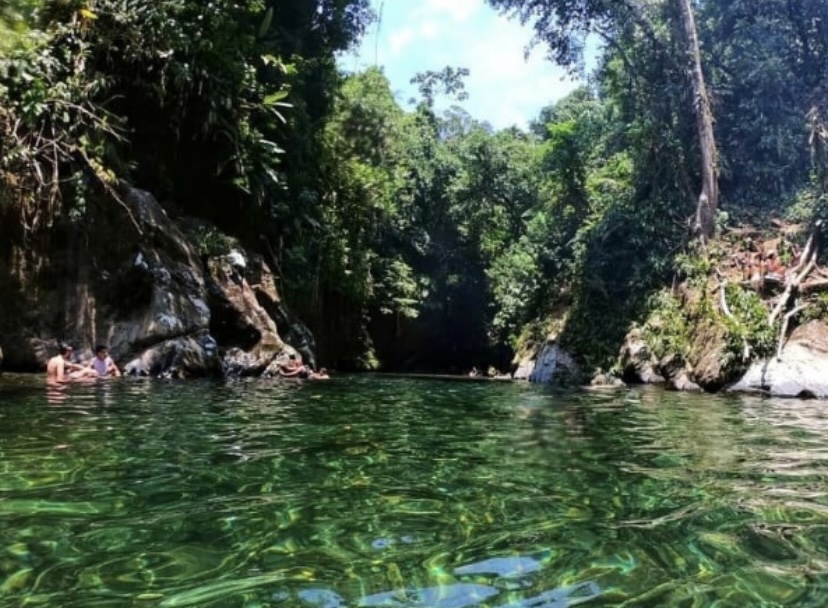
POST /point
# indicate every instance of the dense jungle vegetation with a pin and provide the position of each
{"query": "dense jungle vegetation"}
(404, 236)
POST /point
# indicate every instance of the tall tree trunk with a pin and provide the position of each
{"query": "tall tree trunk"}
(709, 198)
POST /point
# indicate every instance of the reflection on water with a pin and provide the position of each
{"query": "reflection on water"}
(395, 492)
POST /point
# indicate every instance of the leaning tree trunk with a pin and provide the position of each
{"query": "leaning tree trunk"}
(709, 198)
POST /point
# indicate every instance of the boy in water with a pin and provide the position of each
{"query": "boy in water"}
(103, 363)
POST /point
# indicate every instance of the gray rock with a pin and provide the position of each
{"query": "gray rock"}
(554, 366)
(183, 357)
(524, 369)
(682, 382)
(638, 364)
(291, 329)
(802, 371)
(248, 336)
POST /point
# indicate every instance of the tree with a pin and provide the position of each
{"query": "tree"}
(709, 198)
(623, 24)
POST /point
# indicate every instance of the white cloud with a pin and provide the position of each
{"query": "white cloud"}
(400, 39)
(458, 10)
(505, 88)
(429, 30)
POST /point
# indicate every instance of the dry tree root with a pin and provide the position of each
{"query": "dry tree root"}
(794, 286)
(806, 264)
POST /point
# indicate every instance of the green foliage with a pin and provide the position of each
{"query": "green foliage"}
(16, 17)
(449, 81)
(748, 325)
(426, 223)
(188, 98)
(817, 309)
(668, 330)
(209, 240)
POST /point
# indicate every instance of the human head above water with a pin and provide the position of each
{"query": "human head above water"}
(64, 349)
(101, 350)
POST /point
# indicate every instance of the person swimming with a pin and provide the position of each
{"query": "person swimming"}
(294, 367)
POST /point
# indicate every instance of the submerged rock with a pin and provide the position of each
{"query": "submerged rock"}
(802, 371)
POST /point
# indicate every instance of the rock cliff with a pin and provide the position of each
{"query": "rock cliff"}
(129, 277)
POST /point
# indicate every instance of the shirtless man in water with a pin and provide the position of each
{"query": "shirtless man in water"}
(60, 367)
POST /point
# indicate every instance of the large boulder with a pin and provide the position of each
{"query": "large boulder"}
(552, 365)
(707, 360)
(263, 283)
(802, 371)
(248, 335)
(183, 357)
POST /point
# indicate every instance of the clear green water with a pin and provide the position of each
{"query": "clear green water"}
(407, 493)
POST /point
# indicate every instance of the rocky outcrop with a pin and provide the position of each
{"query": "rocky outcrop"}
(638, 364)
(130, 278)
(125, 276)
(295, 333)
(707, 366)
(551, 365)
(168, 332)
(687, 348)
(802, 370)
(238, 320)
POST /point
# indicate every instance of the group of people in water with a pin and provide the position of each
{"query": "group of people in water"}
(61, 368)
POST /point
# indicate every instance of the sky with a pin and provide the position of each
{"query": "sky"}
(505, 88)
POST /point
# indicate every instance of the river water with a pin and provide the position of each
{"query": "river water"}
(371, 491)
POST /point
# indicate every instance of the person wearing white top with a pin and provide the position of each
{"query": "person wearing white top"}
(103, 363)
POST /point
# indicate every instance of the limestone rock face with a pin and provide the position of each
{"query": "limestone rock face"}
(167, 332)
(293, 331)
(239, 321)
(553, 365)
(128, 277)
(125, 276)
(802, 370)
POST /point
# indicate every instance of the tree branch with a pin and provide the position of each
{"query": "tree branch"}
(784, 329)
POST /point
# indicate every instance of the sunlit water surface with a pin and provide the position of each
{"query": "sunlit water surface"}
(371, 491)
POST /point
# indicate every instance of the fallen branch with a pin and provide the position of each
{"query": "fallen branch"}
(722, 295)
(785, 321)
(726, 310)
(812, 286)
